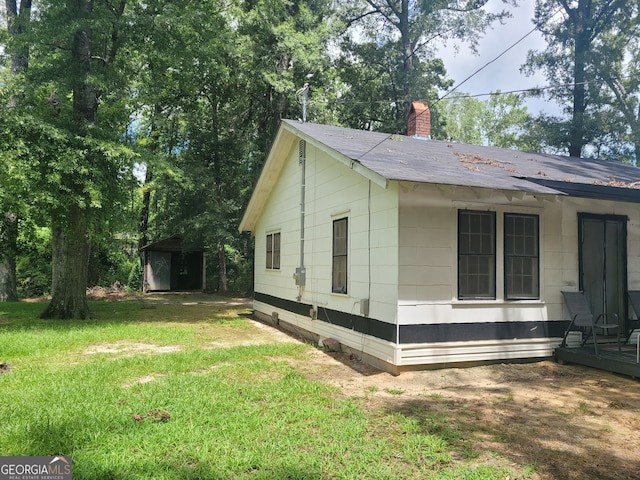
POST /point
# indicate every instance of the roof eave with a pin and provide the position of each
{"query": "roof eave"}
(280, 148)
(268, 177)
(594, 191)
(353, 164)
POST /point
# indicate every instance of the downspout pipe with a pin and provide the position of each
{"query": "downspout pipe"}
(303, 164)
(300, 275)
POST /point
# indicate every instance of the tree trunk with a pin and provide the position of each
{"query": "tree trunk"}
(144, 212)
(249, 257)
(581, 38)
(143, 226)
(71, 240)
(17, 21)
(70, 265)
(57, 245)
(8, 238)
(222, 263)
(407, 63)
(576, 131)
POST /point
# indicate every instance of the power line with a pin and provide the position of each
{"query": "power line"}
(484, 66)
(504, 52)
(496, 58)
(524, 90)
(465, 95)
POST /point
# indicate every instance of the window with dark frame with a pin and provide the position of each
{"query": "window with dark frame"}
(273, 251)
(476, 255)
(339, 269)
(521, 257)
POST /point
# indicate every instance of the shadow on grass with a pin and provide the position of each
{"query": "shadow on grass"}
(24, 315)
(61, 439)
(87, 441)
(577, 440)
(196, 472)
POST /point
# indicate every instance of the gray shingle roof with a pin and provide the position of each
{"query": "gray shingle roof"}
(402, 158)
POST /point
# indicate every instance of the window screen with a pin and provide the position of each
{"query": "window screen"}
(521, 257)
(273, 251)
(476, 255)
(339, 275)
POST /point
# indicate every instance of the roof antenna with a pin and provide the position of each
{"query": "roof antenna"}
(303, 93)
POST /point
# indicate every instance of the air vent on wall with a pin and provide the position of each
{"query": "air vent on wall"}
(302, 151)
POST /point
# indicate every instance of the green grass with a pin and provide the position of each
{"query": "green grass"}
(193, 411)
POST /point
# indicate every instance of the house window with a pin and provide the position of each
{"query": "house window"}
(273, 251)
(339, 275)
(521, 257)
(476, 255)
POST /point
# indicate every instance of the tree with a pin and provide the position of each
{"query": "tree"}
(91, 52)
(572, 60)
(461, 117)
(398, 38)
(8, 238)
(18, 18)
(617, 65)
(71, 160)
(188, 82)
(285, 44)
(211, 105)
(504, 121)
(501, 121)
(371, 97)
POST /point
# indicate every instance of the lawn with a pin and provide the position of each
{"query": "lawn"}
(158, 392)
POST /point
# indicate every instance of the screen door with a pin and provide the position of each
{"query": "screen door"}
(603, 262)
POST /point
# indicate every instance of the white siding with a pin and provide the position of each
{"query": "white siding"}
(357, 342)
(333, 191)
(428, 257)
(281, 214)
(403, 258)
(445, 354)
(428, 268)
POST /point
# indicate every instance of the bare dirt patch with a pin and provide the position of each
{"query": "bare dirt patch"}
(113, 293)
(546, 420)
(143, 380)
(129, 349)
(555, 421)
(193, 298)
(258, 334)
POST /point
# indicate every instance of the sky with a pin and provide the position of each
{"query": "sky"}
(504, 73)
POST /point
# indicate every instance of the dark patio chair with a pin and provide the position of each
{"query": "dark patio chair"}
(581, 316)
(634, 300)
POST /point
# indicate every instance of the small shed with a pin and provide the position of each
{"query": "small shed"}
(170, 267)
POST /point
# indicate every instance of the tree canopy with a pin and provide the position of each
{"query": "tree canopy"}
(126, 121)
(590, 51)
(500, 121)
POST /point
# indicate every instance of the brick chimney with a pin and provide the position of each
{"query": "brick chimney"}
(419, 121)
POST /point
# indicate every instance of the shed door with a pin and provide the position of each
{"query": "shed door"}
(603, 260)
(159, 271)
(186, 271)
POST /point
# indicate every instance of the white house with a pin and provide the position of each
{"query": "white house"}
(414, 253)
